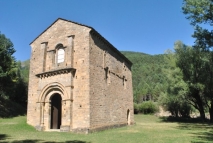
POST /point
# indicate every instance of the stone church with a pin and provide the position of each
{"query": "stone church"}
(78, 81)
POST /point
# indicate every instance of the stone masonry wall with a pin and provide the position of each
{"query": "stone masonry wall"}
(76, 56)
(111, 86)
(94, 81)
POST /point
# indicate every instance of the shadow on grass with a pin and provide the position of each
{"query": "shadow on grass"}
(183, 120)
(4, 137)
(10, 109)
(203, 137)
(37, 141)
(201, 132)
(193, 124)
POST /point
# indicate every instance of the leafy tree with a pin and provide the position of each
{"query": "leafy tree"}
(200, 14)
(190, 62)
(13, 85)
(198, 11)
(173, 99)
(20, 87)
(24, 70)
(7, 65)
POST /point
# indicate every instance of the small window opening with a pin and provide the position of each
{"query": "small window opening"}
(60, 58)
(107, 75)
(124, 82)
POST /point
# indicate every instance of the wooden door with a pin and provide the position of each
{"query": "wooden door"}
(56, 111)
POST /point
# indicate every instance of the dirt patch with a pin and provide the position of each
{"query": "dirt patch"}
(163, 113)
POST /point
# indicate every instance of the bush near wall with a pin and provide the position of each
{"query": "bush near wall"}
(146, 107)
(136, 108)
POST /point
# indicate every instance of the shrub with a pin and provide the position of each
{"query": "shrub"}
(177, 106)
(185, 110)
(136, 108)
(148, 107)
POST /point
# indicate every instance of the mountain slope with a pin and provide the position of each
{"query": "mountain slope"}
(147, 74)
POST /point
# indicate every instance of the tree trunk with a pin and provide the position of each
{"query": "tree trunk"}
(200, 105)
(201, 110)
(211, 112)
(202, 115)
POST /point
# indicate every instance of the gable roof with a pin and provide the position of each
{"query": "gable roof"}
(55, 22)
(93, 30)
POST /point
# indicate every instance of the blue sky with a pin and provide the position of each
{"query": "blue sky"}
(148, 26)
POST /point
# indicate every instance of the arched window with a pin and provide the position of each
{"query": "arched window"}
(60, 56)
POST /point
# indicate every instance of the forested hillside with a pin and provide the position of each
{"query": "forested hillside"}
(148, 76)
(147, 72)
(24, 66)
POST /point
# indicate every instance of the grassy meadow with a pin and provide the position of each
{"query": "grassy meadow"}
(148, 129)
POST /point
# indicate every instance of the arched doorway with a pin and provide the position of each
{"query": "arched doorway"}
(55, 111)
(128, 117)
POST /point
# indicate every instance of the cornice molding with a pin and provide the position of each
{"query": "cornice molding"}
(56, 72)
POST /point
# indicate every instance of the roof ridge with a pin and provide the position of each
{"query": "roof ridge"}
(63, 20)
(92, 29)
(74, 22)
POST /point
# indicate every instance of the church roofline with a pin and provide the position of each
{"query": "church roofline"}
(111, 46)
(92, 30)
(55, 22)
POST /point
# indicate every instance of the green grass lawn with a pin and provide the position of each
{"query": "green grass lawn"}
(148, 129)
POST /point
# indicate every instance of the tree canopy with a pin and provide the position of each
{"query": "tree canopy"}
(7, 64)
(13, 85)
(200, 14)
(198, 71)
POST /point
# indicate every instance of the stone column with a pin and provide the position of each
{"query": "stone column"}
(49, 114)
(65, 127)
(69, 52)
(43, 56)
(50, 60)
(40, 111)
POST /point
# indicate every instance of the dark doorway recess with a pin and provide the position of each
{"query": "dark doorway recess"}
(128, 117)
(55, 111)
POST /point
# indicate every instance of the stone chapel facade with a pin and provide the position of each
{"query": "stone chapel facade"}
(78, 81)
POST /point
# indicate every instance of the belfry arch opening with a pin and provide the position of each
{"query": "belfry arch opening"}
(55, 111)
